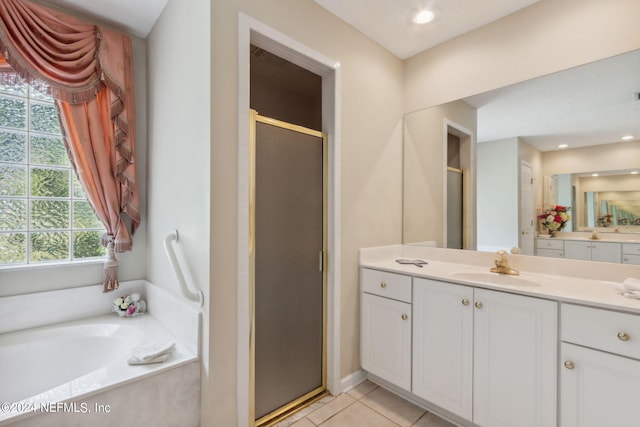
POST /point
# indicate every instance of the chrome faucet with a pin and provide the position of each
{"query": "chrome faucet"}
(502, 265)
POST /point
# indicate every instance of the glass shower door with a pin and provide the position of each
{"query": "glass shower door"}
(289, 279)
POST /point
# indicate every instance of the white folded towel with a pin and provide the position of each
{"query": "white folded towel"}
(151, 351)
(135, 361)
(631, 284)
(630, 288)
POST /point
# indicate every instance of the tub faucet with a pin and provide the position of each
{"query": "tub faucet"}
(502, 265)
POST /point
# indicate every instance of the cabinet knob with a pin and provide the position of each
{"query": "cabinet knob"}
(405, 317)
(478, 304)
(623, 336)
(569, 364)
(383, 285)
(465, 301)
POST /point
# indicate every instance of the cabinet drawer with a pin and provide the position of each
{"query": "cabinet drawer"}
(610, 331)
(553, 253)
(390, 285)
(631, 248)
(549, 244)
(631, 259)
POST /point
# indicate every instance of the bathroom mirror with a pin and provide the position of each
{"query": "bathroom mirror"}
(589, 108)
(607, 200)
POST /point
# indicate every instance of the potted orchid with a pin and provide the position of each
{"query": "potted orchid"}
(554, 218)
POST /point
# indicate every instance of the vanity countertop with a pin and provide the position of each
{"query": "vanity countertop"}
(602, 237)
(563, 281)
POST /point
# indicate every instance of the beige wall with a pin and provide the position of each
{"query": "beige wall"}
(376, 89)
(597, 158)
(371, 169)
(549, 36)
(498, 190)
(425, 166)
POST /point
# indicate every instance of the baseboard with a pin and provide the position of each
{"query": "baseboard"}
(352, 380)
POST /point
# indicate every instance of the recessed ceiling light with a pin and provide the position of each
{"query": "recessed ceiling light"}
(594, 174)
(634, 172)
(423, 17)
(563, 145)
(627, 137)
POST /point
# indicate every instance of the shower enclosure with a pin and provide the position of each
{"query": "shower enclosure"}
(288, 260)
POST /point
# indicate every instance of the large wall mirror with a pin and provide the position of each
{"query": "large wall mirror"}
(527, 145)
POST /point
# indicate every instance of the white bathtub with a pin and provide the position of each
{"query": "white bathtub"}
(65, 373)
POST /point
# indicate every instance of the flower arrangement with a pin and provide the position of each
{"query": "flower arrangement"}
(554, 218)
(605, 220)
(129, 305)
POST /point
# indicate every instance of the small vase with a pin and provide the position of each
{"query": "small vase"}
(552, 233)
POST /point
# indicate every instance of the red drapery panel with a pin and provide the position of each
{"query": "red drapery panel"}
(88, 70)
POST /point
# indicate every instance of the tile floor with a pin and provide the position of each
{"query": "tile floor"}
(366, 405)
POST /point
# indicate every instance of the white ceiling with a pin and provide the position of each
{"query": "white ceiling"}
(389, 22)
(588, 105)
(137, 17)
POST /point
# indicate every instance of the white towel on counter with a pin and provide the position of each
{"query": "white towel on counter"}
(151, 353)
(630, 288)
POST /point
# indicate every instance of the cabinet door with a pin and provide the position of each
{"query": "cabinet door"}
(598, 389)
(515, 353)
(606, 251)
(386, 339)
(443, 345)
(577, 250)
(552, 253)
(631, 259)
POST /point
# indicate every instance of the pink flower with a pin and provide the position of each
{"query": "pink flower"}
(131, 310)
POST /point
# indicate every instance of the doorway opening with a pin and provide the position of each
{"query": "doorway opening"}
(288, 237)
(455, 193)
(459, 190)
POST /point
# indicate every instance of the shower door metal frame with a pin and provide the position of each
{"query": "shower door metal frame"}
(323, 262)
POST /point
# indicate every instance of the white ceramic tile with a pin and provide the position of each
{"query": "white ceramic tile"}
(330, 409)
(362, 389)
(393, 407)
(431, 420)
(181, 318)
(44, 308)
(243, 256)
(303, 423)
(243, 194)
(358, 415)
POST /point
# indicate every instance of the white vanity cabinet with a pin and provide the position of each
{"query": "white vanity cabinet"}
(631, 253)
(593, 251)
(443, 345)
(550, 247)
(515, 354)
(600, 367)
(486, 356)
(386, 326)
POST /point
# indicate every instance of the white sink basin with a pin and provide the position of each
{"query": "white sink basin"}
(494, 278)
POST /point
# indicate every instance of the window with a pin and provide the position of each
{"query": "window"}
(44, 214)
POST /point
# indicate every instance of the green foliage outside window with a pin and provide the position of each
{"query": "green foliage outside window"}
(44, 214)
